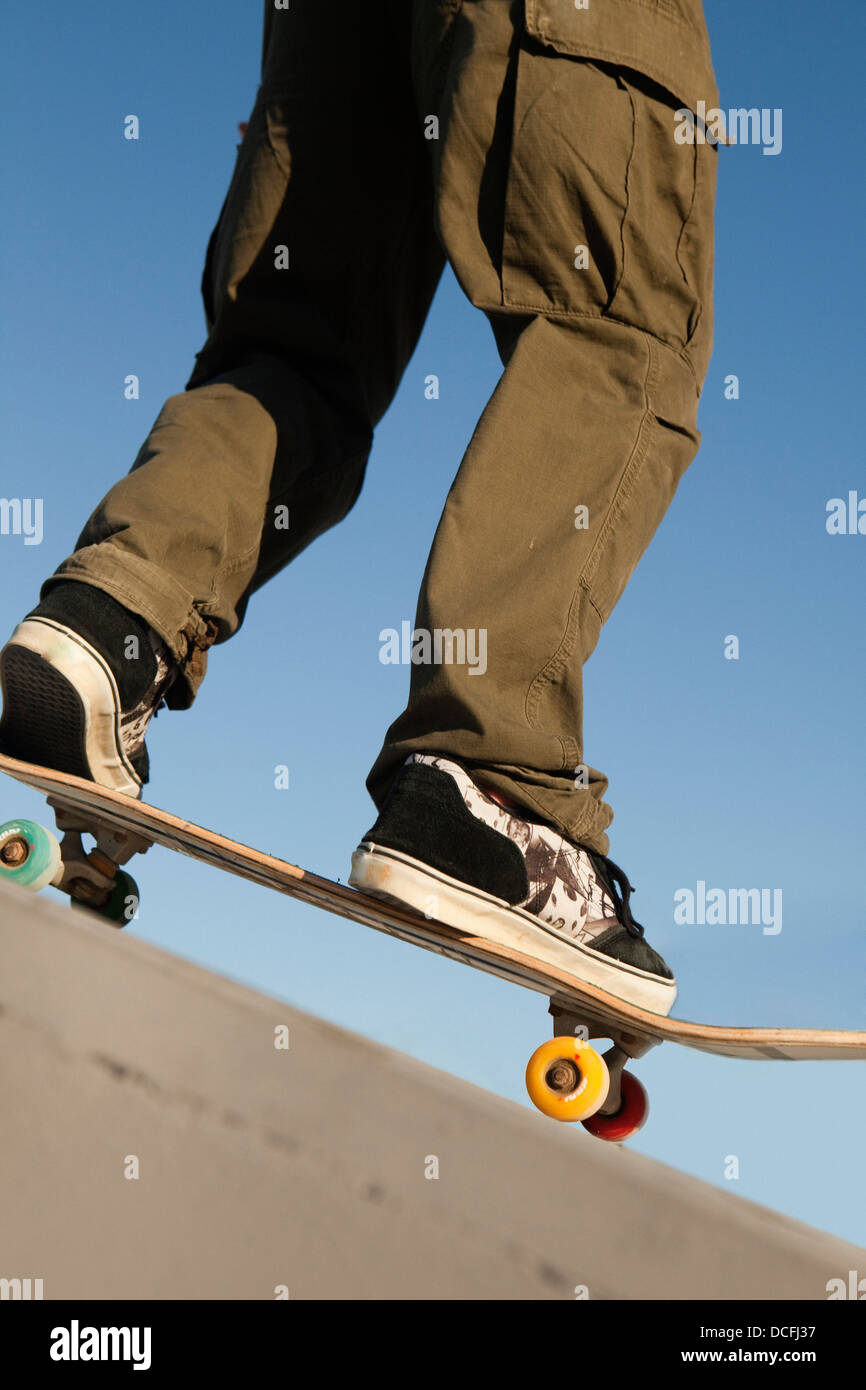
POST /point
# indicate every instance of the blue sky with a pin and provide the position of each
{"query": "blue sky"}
(735, 773)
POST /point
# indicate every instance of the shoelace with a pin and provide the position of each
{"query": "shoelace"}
(615, 882)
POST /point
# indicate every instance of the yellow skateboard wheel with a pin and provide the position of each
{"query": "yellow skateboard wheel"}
(567, 1079)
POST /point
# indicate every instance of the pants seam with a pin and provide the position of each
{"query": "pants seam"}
(559, 658)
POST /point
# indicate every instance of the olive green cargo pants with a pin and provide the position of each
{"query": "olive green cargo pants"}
(533, 145)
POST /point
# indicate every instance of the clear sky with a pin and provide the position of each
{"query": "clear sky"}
(746, 773)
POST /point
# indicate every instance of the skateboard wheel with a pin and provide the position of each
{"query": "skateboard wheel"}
(628, 1119)
(567, 1079)
(29, 854)
(121, 905)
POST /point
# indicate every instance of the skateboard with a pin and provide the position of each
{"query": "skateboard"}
(567, 1078)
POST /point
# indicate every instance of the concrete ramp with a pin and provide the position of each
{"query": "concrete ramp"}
(307, 1168)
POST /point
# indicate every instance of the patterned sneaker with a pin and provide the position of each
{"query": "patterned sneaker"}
(82, 677)
(444, 847)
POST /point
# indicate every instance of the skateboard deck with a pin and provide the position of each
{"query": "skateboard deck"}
(123, 826)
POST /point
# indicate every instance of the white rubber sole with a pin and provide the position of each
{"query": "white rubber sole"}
(397, 877)
(93, 684)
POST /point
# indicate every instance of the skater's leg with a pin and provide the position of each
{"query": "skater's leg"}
(318, 278)
(319, 275)
(580, 450)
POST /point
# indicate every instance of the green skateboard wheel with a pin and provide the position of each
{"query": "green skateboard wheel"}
(29, 854)
(122, 904)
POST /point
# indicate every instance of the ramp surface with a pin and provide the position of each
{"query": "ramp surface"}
(310, 1168)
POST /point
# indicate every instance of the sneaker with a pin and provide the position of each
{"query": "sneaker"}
(444, 847)
(81, 677)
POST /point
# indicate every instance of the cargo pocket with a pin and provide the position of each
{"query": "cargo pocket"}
(566, 193)
(667, 233)
(606, 213)
(252, 205)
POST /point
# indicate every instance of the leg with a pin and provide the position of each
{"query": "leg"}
(543, 153)
(319, 275)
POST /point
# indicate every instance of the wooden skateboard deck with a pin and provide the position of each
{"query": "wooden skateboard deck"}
(163, 828)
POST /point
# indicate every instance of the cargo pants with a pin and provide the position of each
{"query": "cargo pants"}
(532, 144)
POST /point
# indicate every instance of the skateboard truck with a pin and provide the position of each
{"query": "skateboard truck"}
(94, 878)
(32, 856)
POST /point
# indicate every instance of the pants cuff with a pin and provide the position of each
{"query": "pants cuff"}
(152, 594)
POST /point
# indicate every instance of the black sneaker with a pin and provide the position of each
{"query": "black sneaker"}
(82, 676)
(445, 848)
